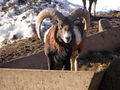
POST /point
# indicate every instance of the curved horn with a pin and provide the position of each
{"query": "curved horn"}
(47, 13)
(79, 12)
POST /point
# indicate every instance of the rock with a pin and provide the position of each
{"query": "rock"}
(111, 78)
(104, 24)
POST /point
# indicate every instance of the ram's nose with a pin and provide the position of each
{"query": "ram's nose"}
(68, 38)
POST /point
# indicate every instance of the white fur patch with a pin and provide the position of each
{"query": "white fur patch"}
(46, 33)
(65, 35)
(77, 35)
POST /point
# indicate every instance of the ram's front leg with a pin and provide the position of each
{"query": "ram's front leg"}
(50, 63)
(76, 63)
(72, 64)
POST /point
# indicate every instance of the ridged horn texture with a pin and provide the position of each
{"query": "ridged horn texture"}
(47, 13)
(79, 12)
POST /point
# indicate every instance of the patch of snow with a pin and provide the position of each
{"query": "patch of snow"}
(101, 7)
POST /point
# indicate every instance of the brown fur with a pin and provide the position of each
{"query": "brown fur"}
(51, 39)
(76, 49)
(58, 48)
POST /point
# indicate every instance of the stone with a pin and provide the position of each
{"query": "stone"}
(27, 79)
(111, 78)
(104, 24)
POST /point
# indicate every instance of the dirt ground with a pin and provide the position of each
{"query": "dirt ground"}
(94, 61)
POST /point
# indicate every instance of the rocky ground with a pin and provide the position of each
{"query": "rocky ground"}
(93, 61)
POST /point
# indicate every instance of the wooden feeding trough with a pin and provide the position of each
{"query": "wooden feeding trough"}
(29, 73)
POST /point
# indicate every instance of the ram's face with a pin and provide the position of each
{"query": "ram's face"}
(66, 34)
